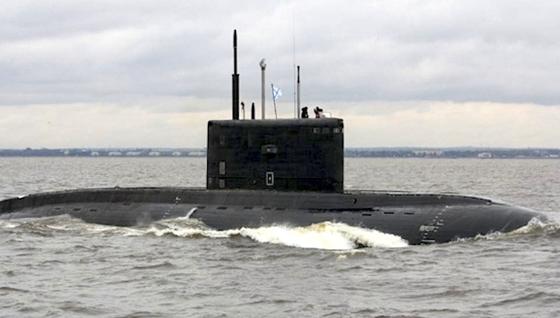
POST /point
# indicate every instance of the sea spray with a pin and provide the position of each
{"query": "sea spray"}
(325, 235)
(535, 227)
(538, 226)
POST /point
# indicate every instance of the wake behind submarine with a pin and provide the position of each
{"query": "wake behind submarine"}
(279, 171)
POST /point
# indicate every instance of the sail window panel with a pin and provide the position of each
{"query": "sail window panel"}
(222, 168)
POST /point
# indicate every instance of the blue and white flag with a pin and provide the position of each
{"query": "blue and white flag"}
(276, 92)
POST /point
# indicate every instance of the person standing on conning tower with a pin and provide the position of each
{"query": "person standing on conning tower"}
(319, 112)
(304, 113)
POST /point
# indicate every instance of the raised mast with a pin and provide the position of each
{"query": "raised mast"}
(235, 81)
(262, 64)
(298, 95)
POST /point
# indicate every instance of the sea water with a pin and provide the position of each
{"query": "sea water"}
(63, 267)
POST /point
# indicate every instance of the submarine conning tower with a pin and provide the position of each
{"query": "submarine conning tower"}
(274, 154)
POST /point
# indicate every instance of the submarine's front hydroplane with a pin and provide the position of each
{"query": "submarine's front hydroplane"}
(279, 171)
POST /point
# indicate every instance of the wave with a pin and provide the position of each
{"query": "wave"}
(535, 228)
(539, 227)
(325, 235)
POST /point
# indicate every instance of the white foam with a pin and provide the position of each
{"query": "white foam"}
(533, 225)
(326, 235)
(537, 225)
(314, 236)
(8, 224)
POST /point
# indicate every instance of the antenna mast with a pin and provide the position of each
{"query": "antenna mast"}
(298, 95)
(235, 81)
(296, 108)
(262, 64)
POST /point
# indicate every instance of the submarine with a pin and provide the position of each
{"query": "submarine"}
(278, 171)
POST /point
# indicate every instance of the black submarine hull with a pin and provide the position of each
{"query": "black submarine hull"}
(417, 218)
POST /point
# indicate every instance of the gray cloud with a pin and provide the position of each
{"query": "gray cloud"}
(70, 51)
(175, 56)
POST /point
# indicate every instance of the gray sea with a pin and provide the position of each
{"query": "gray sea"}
(63, 267)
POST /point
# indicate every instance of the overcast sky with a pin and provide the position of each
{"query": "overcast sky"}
(401, 73)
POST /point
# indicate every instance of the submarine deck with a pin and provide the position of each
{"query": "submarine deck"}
(355, 199)
(417, 218)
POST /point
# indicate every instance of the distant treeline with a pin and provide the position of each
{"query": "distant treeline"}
(482, 153)
(84, 152)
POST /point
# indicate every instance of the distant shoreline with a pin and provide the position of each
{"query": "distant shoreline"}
(450, 153)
